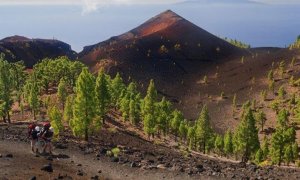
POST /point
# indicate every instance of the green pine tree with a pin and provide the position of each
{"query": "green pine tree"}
(203, 129)
(219, 144)
(228, 143)
(84, 108)
(55, 117)
(117, 86)
(246, 136)
(6, 88)
(288, 154)
(261, 119)
(68, 111)
(183, 130)
(176, 121)
(277, 146)
(33, 96)
(62, 92)
(102, 95)
(265, 147)
(149, 110)
(259, 156)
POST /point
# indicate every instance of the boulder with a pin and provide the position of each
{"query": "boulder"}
(47, 168)
(9, 155)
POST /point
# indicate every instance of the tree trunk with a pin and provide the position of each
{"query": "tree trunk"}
(204, 147)
(8, 117)
(4, 119)
(34, 118)
(86, 134)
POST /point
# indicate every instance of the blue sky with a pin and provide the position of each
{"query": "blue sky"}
(85, 22)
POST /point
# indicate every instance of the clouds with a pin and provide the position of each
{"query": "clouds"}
(92, 5)
(87, 5)
(278, 1)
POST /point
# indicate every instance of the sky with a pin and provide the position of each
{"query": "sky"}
(85, 22)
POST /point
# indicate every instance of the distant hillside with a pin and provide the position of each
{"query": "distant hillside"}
(31, 51)
(165, 46)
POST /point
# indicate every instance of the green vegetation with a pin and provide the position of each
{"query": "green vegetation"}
(84, 101)
(296, 44)
(237, 43)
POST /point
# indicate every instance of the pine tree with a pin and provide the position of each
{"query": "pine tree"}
(19, 78)
(148, 110)
(259, 156)
(117, 86)
(228, 143)
(282, 119)
(271, 75)
(191, 137)
(134, 109)
(163, 116)
(261, 119)
(272, 86)
(234, 102)
(84, 110)
(6, 88)
(62, 92)
(219, 144)
(277, 146)
(265, 147)
(55, 117)
(102, 93)
(68, 111)
(288, 154)
(246, 142)
(203, 129)
(33, 97)
(183, 130)
(125, 106)
(295, 150)
(175, 122)
(281, 92)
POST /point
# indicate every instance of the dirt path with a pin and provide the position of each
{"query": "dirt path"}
(24, 165)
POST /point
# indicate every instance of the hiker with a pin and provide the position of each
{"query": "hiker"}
(33, 136)
(47, 134)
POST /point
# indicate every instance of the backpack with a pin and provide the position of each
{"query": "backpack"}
(48, 134)
(31, 129)
(34, 134)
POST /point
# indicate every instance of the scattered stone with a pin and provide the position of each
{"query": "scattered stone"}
(47, 168)
(79, 173)
(99, 171)
(95, 177)
(61, 146)
(161, 166)
(115, 159)
(9, 156)
(62, 156)
(133, 164)
(33, 178)
(177, 168)
(60, 176)
(161, 158)
(0, 155)
(102, 151)
(78, 164)
(189, 171)
(49, 158)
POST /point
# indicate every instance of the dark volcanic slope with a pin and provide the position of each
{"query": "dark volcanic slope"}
(31, 51)
(163, 46)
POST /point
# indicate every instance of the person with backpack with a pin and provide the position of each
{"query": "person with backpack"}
(47, 134)
(33, 136)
